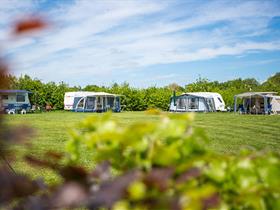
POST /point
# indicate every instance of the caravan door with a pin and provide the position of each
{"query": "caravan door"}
(219, 102)
(275, 105)
(99, 103)
(80, 107)
(117, 107)
(211, 104)
(193, 104)
(90, 104)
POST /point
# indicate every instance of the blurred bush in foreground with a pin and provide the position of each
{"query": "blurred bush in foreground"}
(148, 165)
(166, 165)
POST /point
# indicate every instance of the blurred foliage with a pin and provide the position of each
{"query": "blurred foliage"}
(142, 166)
(173, 169)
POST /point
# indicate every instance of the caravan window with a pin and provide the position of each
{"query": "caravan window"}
(220, 99)
(117, 102)
(181, 103)
(20, 98)
(193, 103)
(90, 103)
(110, 102)
(98, 99)
(211, 104)
(4, 97)
(81, 104)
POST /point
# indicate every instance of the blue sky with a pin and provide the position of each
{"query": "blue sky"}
(144, 42)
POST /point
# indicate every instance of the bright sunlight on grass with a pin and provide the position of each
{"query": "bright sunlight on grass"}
(227, 132)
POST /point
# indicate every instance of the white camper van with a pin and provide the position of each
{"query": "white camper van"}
(197, 102)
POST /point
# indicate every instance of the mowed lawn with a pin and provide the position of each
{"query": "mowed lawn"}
(228, 133)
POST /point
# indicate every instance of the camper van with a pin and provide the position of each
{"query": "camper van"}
(197, 102)
(85, 101)
(13, 101)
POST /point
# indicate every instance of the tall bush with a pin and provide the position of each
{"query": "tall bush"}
(139, 99)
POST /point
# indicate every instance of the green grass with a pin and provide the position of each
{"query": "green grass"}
(227, 133)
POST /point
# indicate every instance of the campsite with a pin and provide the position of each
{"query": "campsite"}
(202, 126)
(227, 132)
(139, 105)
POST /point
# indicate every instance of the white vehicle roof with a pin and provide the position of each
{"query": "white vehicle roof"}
(88, 93)
(250, 94)
(202, 94)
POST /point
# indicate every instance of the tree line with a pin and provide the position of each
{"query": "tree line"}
(139, 99)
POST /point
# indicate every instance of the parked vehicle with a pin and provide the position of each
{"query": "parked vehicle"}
(14, 101)
(91, 102)
(197, 102)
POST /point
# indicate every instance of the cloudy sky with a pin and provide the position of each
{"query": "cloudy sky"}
(145, 42)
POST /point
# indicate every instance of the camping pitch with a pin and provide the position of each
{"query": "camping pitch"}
(83, 101)
(197, 102)
(257, 103)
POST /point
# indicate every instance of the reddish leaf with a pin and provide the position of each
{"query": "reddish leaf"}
(3, 75)
(189, 174)
(159, 177)
(15, 186)
(112, 191)
(29, 25)
(38, 162)
(211, 202)
(69, 195)
(74, 173)
(41, 202)
(101, 171)
(54, 155)
(18, 134)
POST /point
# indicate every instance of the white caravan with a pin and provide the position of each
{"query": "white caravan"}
(86, 101)
(72, 98)
(197, 102)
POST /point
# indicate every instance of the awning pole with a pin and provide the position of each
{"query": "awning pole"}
(265, 105)
(16, 104)
(235, 101)
(250, 110)
(85, 103)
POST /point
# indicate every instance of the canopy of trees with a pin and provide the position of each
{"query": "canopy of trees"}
(139, 99)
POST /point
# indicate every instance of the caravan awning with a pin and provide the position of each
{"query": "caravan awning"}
(102, 94)
(14, 91)
(251, 94)
(199, 94)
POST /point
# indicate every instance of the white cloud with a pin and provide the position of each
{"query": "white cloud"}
(98, 38)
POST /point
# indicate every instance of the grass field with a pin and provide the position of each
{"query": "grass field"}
(227, 132)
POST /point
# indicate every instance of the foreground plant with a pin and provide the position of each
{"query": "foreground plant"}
(167, 165)
(147, 165)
